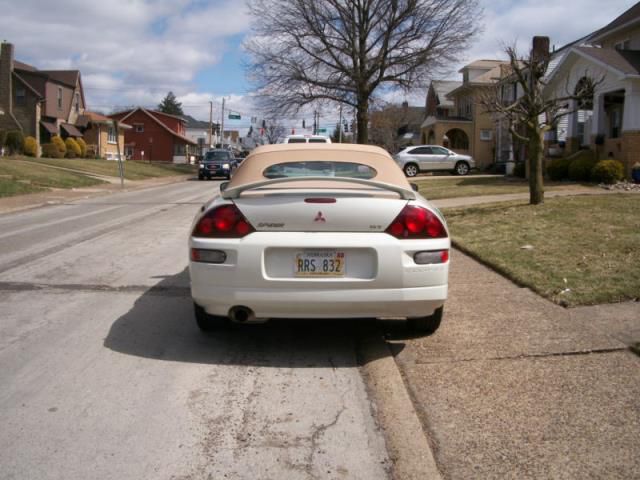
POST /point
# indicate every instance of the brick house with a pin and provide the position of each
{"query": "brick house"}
(99, 133)
(156, 136)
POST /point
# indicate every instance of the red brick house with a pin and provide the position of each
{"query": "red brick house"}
(156, 136)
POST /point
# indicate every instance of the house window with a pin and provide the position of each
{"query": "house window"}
(139, 127)
(21, 96)
(59, 98)
(616, 117)
(486, 134)
(111, 135)
(77, 102)
(625, 45)
(179, 149)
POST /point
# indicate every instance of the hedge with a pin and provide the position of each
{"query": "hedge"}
(558, 169)
(30, 147)
(58, 142)
(73, 149)
(608, 171)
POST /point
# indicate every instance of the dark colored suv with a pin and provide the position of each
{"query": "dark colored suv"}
(217, 163)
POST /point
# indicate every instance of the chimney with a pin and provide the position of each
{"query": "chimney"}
(540, 50)
(6, 69)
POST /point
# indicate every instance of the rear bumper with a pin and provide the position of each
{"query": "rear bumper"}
(384, 281)
(375, 303)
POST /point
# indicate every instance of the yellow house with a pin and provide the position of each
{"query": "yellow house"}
(100, 135)
(465, 127)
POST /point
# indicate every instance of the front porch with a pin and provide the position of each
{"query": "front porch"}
(609, 122)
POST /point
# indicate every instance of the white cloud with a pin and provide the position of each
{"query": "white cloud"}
(129, 52)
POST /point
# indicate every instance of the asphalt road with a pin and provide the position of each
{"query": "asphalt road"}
(104, 374)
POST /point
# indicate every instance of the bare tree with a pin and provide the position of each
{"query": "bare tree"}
(533, 113)
(306, 51)
(273, 130)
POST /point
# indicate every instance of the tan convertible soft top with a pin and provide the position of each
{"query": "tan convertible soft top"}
(250, 171)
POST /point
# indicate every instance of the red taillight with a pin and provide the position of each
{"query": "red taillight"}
(417, 222)
(223, 222)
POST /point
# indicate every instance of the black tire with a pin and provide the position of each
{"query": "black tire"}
(200, 177)
(462, 168)
(411, 170)
(426, 325)
(207, 322)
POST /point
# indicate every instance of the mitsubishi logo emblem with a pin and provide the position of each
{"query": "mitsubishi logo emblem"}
(319, 218)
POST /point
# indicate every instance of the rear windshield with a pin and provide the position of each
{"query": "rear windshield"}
(297, 140)
(213, 156)
(317, 140)
(319, 169)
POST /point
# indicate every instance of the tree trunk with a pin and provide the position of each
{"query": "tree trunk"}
(363, 121)
(536, 150)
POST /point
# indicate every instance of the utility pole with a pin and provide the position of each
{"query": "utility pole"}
(315, 124)
(340, 125)
(210, 123)
(222, 126)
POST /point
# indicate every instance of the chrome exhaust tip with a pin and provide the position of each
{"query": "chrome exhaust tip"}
(241, 314)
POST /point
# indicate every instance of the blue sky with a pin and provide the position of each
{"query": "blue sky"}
(131, 52)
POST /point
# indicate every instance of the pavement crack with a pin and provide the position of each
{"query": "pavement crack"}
(169, 291)
(595, 351)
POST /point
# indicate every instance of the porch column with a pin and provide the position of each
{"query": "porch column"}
(631, 125)
(598, 118)
(631, 114)
(572, 142)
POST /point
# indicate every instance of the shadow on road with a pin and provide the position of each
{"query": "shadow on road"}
(161, 326)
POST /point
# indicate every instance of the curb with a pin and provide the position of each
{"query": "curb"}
(407, 443)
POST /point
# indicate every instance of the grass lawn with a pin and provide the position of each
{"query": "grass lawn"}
(580, 250)
(454, 187)
(132, 170)
(18, 178)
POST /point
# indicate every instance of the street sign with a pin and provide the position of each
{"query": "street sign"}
(234, 116)
(322, 130)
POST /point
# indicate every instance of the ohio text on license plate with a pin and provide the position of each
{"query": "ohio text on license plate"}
(327, 263)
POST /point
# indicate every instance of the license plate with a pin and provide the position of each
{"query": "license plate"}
(322, 263)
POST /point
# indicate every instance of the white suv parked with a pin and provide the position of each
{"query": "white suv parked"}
(432, 158)
(306, 139)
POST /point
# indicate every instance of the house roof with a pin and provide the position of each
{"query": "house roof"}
(152, 114)
(27, 85)
(65, 77)
(24, 66)
(626, 19)
(97, 118)
(481, 64)
(193, 123)
(442, 89)
(626, 62)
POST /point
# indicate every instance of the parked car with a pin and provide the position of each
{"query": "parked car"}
(217, 163)
(306, 139)
(320, 231)
(433, 158)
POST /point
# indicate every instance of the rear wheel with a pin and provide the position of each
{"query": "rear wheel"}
(462, 168)
(426, 325)
(207, 322)
(200, 177)
(411, 170)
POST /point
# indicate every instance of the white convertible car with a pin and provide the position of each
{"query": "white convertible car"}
(318, 231)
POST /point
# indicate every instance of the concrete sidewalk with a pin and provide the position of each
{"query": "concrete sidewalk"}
(514, 386)
(507, 197)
